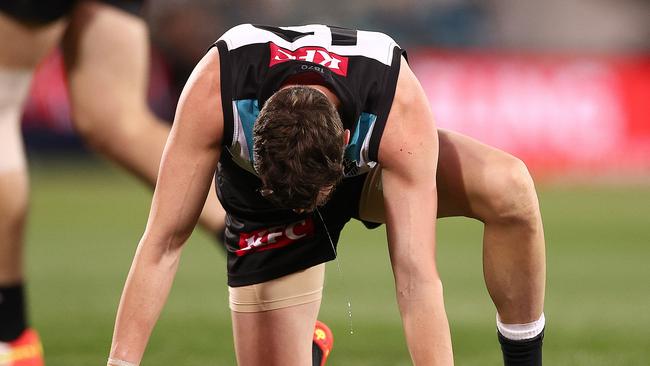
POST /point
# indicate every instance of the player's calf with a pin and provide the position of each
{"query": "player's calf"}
(514, 262)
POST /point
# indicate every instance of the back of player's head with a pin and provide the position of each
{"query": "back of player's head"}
(298, 145)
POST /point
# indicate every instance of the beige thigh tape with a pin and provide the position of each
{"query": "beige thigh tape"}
(295, 289)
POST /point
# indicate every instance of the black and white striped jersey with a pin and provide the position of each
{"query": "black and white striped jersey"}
(360, 67)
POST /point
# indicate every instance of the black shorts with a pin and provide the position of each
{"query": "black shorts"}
(264, 242)
(47, 11)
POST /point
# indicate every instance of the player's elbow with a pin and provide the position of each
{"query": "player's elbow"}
(417, 284)
(166, 241)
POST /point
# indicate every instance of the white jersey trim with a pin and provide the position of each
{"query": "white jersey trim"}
(364, 158)
(238, 132)
(374, 45)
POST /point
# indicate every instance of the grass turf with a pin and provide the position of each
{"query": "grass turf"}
(86, 219)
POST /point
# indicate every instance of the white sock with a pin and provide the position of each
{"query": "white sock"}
(518, 332)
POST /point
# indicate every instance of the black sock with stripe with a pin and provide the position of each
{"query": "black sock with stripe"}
(527, 352)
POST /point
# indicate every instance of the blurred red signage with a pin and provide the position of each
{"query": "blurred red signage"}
(560, 114)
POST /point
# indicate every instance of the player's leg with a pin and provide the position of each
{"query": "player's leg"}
(273, 322)
(107, 59)
(21, 49)
(481, 182)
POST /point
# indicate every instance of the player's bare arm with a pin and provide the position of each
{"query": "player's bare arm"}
(408, 154)
(186, 171)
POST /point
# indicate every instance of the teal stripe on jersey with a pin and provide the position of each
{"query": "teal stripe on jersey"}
(248, 110)
(364, 124)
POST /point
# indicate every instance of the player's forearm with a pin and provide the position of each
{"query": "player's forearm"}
(145, 292)
(425, 321)
(411, 231)
(419, 293)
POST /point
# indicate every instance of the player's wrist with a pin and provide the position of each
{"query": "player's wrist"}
(118, 362)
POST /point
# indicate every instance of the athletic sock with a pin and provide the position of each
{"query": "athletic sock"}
(12, 312)
(521, 344)
(316, 354)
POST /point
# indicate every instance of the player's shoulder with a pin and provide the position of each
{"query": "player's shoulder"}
(204, 81)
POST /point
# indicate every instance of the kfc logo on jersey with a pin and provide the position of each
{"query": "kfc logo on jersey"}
(317, 55)
(275, 237)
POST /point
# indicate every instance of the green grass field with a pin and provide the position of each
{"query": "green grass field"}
(86, 220)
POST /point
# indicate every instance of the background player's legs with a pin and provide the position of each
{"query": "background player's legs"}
(14, 183)
(107, 59)
(21, 49)
(482, 182)
(281, 337)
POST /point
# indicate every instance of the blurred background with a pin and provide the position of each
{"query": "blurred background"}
(563, 84)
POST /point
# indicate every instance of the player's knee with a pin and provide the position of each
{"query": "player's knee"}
(92, 131)
(14, 215)
(513, 198)
(14, 200)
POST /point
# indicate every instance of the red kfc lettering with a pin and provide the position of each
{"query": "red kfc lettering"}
(317, 55)
(274, 237)
(281, 55)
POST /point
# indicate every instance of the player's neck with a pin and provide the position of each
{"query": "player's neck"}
(312, 80)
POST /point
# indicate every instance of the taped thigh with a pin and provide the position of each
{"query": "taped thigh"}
(295, 289)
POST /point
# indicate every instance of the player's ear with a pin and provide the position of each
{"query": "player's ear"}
(346, 137)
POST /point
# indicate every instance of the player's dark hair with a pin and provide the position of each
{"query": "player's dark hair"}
(298, 147)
